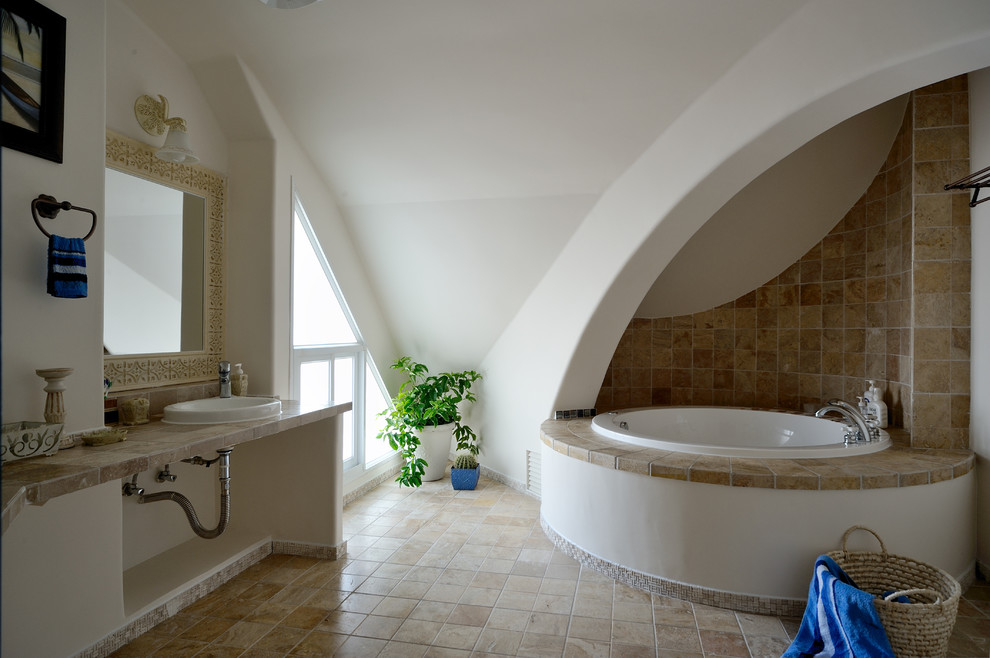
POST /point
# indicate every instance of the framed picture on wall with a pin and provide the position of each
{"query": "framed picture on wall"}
(33, 78)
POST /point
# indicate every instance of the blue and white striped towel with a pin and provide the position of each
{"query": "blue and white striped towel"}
(67, 267)
(840, 620)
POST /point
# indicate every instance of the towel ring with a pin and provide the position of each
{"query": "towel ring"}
(49, 207)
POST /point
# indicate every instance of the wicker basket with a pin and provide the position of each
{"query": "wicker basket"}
(919, 628)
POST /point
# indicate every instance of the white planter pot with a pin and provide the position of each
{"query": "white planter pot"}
(435, 449)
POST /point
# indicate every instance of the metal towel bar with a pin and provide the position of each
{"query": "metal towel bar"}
(49, 207)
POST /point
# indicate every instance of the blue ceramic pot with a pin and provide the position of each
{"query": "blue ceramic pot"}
(464, 478)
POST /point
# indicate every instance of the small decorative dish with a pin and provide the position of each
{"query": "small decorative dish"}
(27, 439)
(104, 437)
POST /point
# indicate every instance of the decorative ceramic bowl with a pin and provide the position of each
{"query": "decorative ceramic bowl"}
(103, 437)
(27, 439)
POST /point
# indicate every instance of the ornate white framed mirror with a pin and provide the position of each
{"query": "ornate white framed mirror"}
(164, 286)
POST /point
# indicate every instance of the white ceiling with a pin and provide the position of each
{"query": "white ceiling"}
(466, 141)
(407, 101)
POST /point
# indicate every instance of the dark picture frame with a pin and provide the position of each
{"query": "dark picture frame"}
(33, 79)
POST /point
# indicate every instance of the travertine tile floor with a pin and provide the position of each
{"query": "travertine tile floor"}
(434, 572)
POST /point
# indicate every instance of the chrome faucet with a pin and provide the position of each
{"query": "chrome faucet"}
(225, 379)
(870, 420)
(851, 414)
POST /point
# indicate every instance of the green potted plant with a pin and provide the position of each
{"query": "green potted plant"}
(423, 417)
(464, 473)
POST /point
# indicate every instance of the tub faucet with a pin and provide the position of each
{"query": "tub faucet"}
(871, 421)
(852, 415)
(225, 379)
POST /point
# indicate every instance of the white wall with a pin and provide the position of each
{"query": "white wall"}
(40, 331)
(979, 157)
(269, 162)
(141, 63)
(52, 606)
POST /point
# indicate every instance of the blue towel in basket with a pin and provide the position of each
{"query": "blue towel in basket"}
(840, 619)
(67, 267)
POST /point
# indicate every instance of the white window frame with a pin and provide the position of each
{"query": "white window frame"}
(316, 353)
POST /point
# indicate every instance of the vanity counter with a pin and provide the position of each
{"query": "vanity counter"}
(37, 480)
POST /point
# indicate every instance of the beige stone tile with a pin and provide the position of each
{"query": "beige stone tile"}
(382, 628)
(480, 596)
(305, 617)
(581, 648)
(537, 645)
(392, 606)
(444, 652)
(432, 610)
(516, 600)
(509, 619)
(678, 638)
(469, 615)
(716, 619)
(625, 611)
(341, 621)
(417, 631)
(530, 584)
(396, 649)
(722, 643)
(280, 640)
(498, 641)
(620, 650)
(207, 629)
(766, 647)
(547, 623)
(243, 634)
(446, 593)
(456, 636)
(674, 616)
(352, 647)
(633, 632)
(358, 602)
(558, 586)
(555, 603)
(410, 589)
(180, 648)
(751, 624)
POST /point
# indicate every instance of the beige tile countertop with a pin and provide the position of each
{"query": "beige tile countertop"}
(897, 466)
(36, 480)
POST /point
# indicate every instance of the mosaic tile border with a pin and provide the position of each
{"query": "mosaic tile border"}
(373, 483)
(761, 605)
(506, 480)
(302, 549)
(568, 414)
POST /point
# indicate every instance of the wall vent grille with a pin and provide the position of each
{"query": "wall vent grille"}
(533, 472)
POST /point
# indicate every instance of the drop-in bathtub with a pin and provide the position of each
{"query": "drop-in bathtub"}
(731, 432)
(743, 532)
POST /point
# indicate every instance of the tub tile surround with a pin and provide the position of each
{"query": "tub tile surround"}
(900, 465)
(37, 480)
(885, 296)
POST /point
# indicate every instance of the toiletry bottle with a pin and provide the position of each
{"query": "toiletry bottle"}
(876, 404)
(237, 380)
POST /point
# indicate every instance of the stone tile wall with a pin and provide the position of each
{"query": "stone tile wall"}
(885, 296)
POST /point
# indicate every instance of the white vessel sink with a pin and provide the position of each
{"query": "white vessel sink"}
(222, 410)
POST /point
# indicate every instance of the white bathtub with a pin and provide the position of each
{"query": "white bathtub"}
(744, 547)
(731, 432)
